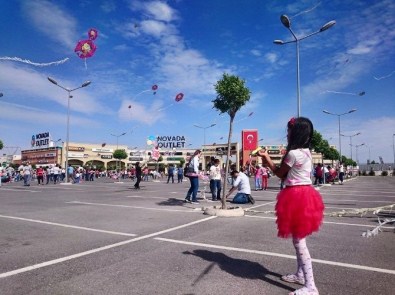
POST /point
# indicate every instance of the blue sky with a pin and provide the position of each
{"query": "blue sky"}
(185, 47)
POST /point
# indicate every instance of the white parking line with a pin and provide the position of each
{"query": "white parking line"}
(68, 226)
(359, 201)
(63, 259)
(19, 190)
(348, 265)
(134, 207)
(325, 222)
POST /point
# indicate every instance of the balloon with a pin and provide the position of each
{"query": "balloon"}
(149, 142)
(179, 96)
(154, 87)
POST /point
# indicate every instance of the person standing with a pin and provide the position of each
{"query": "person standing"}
(299, 206)
(56, 173)
(27, 172)
(215, 181)
(138, 176)
(193, 176)
(180, 174)
(70, 173)
(170, 173)
(265, 177)
(258, 177)
(341, 173)
(40, 175)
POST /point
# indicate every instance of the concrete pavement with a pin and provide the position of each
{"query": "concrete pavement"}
(105, 238)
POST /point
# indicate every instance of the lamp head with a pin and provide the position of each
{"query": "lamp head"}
(212, 125)
(328, 25)
(285, 21)
(278, 42)
(326, 112)
(86, 83)
(52, 81)
(362, 93)
(352, 111)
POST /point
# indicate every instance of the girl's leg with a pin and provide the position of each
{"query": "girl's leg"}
(305, 265)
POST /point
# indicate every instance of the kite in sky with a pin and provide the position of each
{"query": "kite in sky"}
(26, 61)
(362, 93)
(86, 48)
(384, 77)
(178, 98)
(306, 11)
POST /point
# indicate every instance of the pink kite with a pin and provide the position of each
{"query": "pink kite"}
(85, 48)
(130, 106)
(179, 97)
(92, 34)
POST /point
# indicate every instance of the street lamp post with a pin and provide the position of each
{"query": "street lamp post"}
(86, 83)
(117, 136)
(356, 151)
(204, 131)
(393, 149)
(287, 23)
(204, 141)
(351, 136)
(339, 115)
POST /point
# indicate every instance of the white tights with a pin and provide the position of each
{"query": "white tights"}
(305, 267)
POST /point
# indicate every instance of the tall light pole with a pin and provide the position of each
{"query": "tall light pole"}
(356, 151)
(204, 131)
(287, 23)
(86, 83)
(117, 136)
(339, 115)
(393, 149)
(204, 141)
(351, 136)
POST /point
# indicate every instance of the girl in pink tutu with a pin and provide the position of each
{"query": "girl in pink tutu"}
(299, 207)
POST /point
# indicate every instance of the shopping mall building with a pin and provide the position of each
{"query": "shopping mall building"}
(45, 152)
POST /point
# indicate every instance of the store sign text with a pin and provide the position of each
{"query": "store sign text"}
(171, 142)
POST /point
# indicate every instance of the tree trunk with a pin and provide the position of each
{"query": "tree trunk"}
(224, 190)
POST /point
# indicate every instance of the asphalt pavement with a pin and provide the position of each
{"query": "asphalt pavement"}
(104, 237)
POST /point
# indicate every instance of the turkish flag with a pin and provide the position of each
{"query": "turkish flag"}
(250, 139)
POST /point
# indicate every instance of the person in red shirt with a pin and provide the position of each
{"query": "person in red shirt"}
(40, 175)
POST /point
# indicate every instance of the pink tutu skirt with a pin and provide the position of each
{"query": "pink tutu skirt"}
(299, 211)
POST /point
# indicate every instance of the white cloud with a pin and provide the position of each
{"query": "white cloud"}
(32, 84)
(256, 52)
(154, 28)
(160, 11)
(51, 21)
(271, 57)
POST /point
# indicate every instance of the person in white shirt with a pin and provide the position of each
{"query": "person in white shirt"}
(27, 171)
(56, 173)
(243, 187)
(215, 181)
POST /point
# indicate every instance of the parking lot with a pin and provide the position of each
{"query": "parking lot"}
(103, 237)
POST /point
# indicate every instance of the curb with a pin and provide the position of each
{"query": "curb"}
(229, 212)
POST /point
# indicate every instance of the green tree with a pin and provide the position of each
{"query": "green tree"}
(120, 155)
(232, 94)
(182, 162)
(1, 145)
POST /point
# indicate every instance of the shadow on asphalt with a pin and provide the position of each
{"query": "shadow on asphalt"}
(171, 202)
(238, 267)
